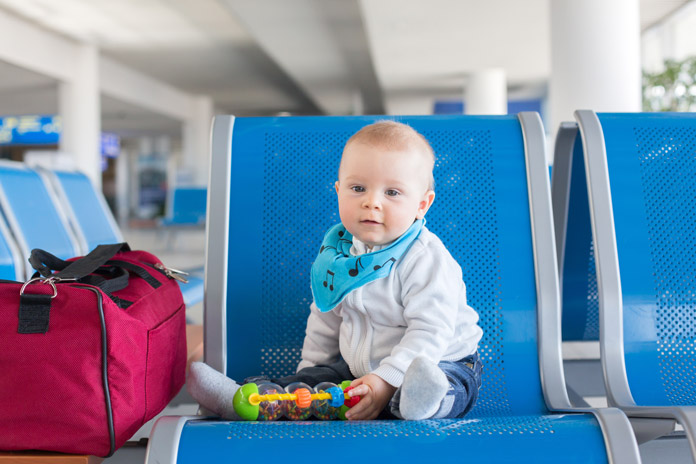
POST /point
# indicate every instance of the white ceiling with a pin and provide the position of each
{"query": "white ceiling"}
(261, 57)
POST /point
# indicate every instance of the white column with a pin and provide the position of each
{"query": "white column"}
(79, 106)
(408, 104)
(595, 57)
(124, 185)
(486, 92)
(196, 140)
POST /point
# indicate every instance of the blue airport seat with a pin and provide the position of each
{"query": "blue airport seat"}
(272, 186)
(11, 265)
(187, 207)
(87, 211)
(93, 223)
(193, 290)
(34, 216)
(641, 181)
(575, 262)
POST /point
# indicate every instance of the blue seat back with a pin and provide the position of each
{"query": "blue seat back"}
(282, 200)
(188, 205)
(33, 213)
(579, 279)
(11, 266)
(88, 211)
(651, 161)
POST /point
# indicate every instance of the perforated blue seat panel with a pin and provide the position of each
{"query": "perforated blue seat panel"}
(652, 171)
(283, 200)
(580, 298)
(36, 214)
(489, 439)
(88, 209)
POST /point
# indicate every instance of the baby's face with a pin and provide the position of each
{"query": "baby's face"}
(381, 192)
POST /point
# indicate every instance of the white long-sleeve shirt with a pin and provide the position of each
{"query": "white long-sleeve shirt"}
(419, 309)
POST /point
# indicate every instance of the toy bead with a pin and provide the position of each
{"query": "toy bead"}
(351, 400)
(337, 397)
(241, 403)
(345, 384)
(304, 398)
(322, 408)
(293, 410)
(272, 408)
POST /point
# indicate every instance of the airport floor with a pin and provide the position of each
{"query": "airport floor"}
(187, 250)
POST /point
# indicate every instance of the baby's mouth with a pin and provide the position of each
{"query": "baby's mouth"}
(370, 222)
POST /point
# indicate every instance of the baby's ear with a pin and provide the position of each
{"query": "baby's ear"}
(336, 186)
(425, 204)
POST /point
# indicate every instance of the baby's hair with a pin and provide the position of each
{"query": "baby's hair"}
(394, 135)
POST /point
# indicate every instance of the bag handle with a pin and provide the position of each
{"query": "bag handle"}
(34, 309)
(117, 281)
(45, 263)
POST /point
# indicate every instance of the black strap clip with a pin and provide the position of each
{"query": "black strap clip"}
(35, 308)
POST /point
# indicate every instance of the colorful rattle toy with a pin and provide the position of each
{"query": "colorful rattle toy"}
(297, 402)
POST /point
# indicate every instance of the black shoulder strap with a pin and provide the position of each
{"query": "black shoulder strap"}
(45, 263)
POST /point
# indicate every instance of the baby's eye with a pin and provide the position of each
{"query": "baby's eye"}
(358, 188)
(392, 193)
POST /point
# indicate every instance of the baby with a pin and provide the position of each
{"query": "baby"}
(389, 310)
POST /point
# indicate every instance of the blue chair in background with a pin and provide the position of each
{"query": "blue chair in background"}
(11, 265)
(86, 209)
(34, 214)
(186, 208)
(493, 212)
(93, 223)
(641, 183)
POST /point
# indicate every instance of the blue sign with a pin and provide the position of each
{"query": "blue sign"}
(513, 106)
(45, 130)
(110, 145)
(29, 130)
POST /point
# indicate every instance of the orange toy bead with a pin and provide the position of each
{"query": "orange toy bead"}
(304, 398)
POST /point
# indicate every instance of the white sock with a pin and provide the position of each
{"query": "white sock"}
(213, 390)
(424, 388)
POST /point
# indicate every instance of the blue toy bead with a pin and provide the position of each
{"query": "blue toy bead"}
(337, 397)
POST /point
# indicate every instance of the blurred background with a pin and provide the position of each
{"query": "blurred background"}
(126, 89)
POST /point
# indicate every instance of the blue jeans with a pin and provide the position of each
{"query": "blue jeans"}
(464, 377)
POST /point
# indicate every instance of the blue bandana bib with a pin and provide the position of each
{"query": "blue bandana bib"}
(335, 272)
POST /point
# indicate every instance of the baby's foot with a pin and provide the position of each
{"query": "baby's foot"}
(213, 390)
(424, 388)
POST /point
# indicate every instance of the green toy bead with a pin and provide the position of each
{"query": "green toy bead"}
(240, 402)
(345, 384)
(343, 409)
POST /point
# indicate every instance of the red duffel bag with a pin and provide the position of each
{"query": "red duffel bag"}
(88, 353)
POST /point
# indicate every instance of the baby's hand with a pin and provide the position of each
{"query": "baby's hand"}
(374, 394)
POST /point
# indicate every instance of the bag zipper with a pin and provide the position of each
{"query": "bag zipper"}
(172, 273)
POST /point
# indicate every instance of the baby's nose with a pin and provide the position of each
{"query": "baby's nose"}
(372, 202)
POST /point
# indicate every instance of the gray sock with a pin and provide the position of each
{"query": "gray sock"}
(213, 390)
(424, 388)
